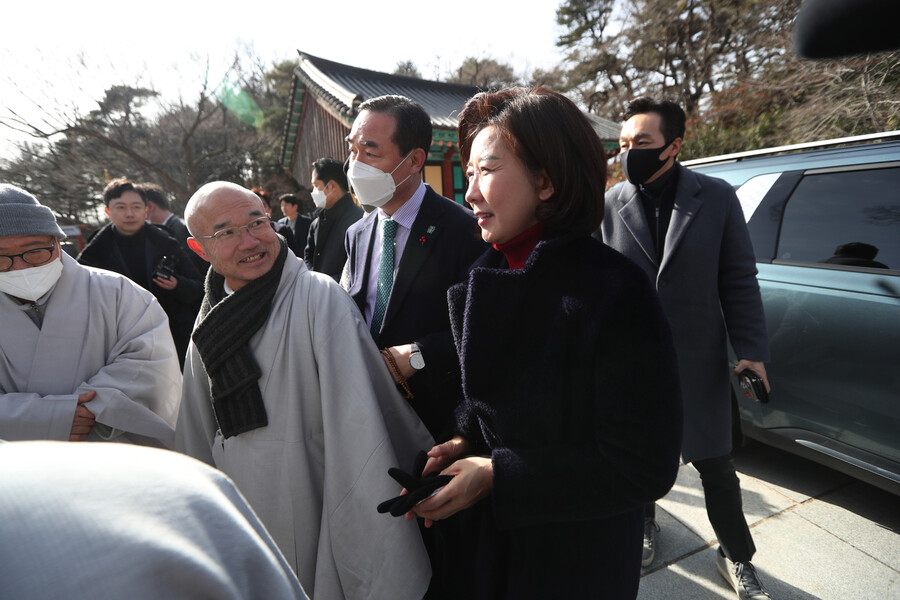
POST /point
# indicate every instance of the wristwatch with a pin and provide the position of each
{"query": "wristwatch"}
(415, 358)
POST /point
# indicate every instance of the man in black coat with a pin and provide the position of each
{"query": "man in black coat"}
(401, 286)
(297, 223)
(687, 231)
(159, 212)
(325, 251)
(149, 256)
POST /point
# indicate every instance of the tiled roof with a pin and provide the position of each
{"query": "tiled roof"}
(343, 88)
(607, 130)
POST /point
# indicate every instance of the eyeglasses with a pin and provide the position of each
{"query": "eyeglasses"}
(230, 235)
(34, 257)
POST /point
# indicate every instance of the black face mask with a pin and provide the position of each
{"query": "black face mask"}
(640, 164)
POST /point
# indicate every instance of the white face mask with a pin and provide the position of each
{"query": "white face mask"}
(33, 282)
(373, 186)
(318, 197)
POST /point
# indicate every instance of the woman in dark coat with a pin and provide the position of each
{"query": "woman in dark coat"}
(571, 418)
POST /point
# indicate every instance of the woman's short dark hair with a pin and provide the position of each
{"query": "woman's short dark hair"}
(290, 199)
(548, 133)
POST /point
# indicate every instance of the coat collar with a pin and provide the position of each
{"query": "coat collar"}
(337, 209)
(491, 306)
(72, 290)
(627, 204)
(632, 214)
(327, 217)
(423, 237)
(363, 236)
(687, 205)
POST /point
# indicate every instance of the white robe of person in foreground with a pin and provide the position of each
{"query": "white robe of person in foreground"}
(102, 333)
(336, 423)
(89, 521)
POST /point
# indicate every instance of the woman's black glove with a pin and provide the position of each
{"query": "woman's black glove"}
(418, 487)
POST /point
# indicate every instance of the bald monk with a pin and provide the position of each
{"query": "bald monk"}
(285, 391)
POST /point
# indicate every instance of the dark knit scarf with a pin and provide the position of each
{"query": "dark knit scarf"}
(225, 327)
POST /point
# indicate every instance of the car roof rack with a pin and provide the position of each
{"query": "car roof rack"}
(737, 156)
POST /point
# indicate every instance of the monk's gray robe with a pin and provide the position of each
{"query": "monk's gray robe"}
(92, 521)
(103, 333)
(316, 473)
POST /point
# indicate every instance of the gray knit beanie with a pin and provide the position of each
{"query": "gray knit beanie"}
(20, 214)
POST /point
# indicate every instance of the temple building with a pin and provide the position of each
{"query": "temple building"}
(325, 97)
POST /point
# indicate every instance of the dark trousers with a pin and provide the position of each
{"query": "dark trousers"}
(724, 507)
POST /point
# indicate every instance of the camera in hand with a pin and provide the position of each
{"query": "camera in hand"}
(753, 386)
(165, 269)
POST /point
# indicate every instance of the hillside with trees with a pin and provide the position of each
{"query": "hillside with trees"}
(730, 64)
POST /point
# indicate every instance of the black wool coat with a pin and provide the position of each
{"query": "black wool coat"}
(177, 228)
(571, 387)
(296, 236)
(325, 250)
(181, 304)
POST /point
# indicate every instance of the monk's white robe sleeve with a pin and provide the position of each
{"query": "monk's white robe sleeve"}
(196, 428)
(336, 423)
(368, 428)
(92, 521)
(27, 416)
(139, 390)
(100, 333)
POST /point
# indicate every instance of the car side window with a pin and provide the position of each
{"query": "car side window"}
(752, 192)
(849, 218)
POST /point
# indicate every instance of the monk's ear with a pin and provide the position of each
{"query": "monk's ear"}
(197, 247)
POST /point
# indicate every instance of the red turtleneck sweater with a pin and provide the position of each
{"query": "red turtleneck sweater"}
(518, 249)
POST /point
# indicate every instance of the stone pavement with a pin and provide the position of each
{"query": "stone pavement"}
(819, 534)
